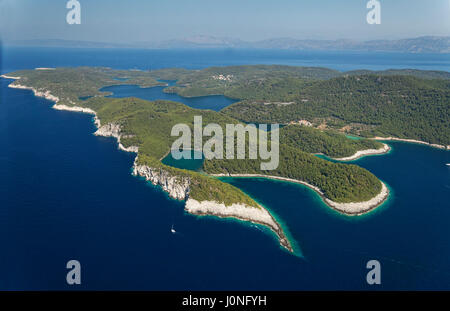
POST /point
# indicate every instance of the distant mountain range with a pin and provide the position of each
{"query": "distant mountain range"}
(426, 44)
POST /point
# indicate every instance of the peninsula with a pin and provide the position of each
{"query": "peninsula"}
(144, 127)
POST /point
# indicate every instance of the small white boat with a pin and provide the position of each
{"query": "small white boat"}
(172, 230)
(448, 164)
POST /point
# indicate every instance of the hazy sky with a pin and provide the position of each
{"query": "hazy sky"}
(151, 20)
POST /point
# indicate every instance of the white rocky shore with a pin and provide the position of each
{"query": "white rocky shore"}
(413, 141)
(39, 93)
(108, 130)
(351, 209)
(45, 94)
(74, 109)
(178, 188)
(362, 153)
(9, 77)
(114, 130)
(240, 211)
(359, 208)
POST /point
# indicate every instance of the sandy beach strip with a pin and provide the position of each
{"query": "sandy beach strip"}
(362, 153)
(350, 209)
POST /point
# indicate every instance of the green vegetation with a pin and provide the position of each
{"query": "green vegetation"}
(236, 81)
(403, 103)
(381, 104)
(400, 106)
(424, 74)
(202, 187)
(69, 84)
(149, 125)
(330, 143)
(339, 182)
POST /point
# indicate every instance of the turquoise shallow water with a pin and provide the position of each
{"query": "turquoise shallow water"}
(67, 194)
(189, 164)
(408, 234)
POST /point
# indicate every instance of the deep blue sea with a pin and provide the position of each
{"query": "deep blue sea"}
(67, 194)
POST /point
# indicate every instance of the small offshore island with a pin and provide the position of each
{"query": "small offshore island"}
(303, 99)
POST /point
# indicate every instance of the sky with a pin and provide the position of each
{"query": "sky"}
(129, 21)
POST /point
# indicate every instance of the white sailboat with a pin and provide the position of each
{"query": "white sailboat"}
(172, 230)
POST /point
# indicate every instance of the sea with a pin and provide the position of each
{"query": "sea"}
(66, 194)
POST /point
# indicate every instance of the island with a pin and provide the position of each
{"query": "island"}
(318, 108)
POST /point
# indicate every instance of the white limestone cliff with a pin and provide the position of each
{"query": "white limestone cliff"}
(114, 130)
(177, 187)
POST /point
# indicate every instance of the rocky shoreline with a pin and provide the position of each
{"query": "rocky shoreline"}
(45, 94)
(108, 130)
(243, 212)
(363, 153)
(9, 77)
(113, 130)
(350, 209)
(37, 93)
(414, 141)
(178, 188)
